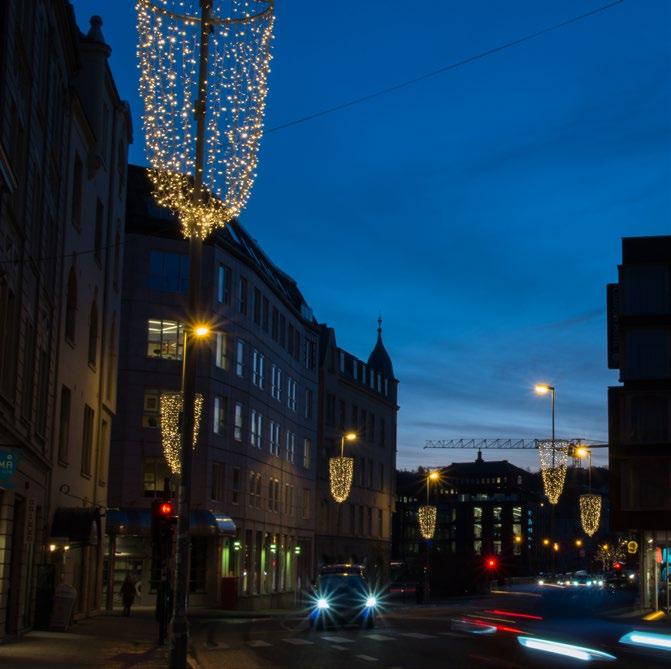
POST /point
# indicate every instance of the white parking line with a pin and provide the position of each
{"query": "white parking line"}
(379, 637)
(335, 646)
(417, 635)
(259, 644)
(368, 658)
(337, 639)
(299, 642)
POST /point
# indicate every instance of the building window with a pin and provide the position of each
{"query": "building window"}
(93, 334)
(497, 547)
(71, 307)
(477, 514)
(221, 359)
(254, 489)
(198, 565)
(98, 232)
(168, 272)
(342, 413)
(283, 330)
(477, 546)
(264, 314)
(307, 453)
(288, 499)
(117, 260)
(156, 477)
(274, 324)
(151, 416)
(165, 339)
(257, 369)
(235, 486)
(291, 446)
(64, 425)
(257, 306)
(380, 522)
(310, 354)
(307, 409)
(276, 382)
(291, 393)
(274, 438)
(77, 175)
(237, 428)
(42, 394)
(87, 440)
(256, 428)
(305, 506)
(381, 476)
(218, 481)
(220, 412)
(112, 361)
(274, 495)
(242, 295)
(240, 358)
(224, 284)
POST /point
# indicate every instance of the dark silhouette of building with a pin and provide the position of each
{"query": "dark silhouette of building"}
(639, 410)
(359, 397)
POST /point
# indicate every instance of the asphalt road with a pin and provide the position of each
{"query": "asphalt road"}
(477, 633)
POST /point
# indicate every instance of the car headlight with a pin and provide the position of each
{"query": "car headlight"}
(322, 603)
(600, 582)
(541, 582)
(371, 602)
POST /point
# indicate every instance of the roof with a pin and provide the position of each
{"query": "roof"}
(144, 216)
(379, 358)
(482, 468)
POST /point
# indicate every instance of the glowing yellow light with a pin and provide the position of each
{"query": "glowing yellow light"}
(554, 458)
(546, 542)
(171, 432)
(434, 476)
(427, 520)
(52, 547)
(605, 547)
(234, 99)
(590, 512)
(632, 547)
(578, 542)
(542, 388)
(581, 452)
(518, 539)
(201, 331)
(351, 436)
(341, 473)
(66, 548)
(555, 547)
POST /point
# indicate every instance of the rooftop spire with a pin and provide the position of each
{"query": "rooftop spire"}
(379, 325)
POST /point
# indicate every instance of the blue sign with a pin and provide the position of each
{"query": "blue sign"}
(9, 458)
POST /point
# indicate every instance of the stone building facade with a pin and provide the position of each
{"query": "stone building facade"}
(254, 464)
(64, 135)
(360, 397)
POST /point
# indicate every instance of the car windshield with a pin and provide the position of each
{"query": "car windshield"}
(342, 584)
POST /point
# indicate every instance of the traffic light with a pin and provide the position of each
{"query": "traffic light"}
(617, 566)
(162, 523)
(491, 563)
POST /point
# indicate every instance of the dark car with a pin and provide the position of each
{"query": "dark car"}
(342, 596)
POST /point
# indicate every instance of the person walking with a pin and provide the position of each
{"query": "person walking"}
(128, 593)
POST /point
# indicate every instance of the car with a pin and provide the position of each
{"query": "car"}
(342, 596)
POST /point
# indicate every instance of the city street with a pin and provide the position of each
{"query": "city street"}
(446, 635)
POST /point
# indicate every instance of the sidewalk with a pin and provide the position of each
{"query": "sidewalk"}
(107, 641)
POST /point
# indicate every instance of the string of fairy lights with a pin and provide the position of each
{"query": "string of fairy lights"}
(169, 35)
(590, 512)
(171, 406)
(341, 474)
(554, 459)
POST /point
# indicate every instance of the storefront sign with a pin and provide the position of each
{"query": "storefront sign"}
(8, 462)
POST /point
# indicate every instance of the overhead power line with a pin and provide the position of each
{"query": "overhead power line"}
(445, 68)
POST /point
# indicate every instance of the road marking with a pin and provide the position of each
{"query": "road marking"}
(337, 639)
(368, 658)
(335, 646)
(299, 642)
(258, 643)
(379, 637)
(417, 635)
(452, 634)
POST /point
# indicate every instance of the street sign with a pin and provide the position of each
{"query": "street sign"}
(9, 458)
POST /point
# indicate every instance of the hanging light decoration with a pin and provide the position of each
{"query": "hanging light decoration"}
(171, 412)
(590, 512)
(426, 515)
(169, 51)
(554, 458)
(341, 473)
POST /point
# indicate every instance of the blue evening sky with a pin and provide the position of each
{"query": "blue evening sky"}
(479, 211)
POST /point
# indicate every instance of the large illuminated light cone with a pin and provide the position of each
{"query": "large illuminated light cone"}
(427, 520)
(341, 474)
(235, 48)
(590, 512)
(171, 430)
(554, 458)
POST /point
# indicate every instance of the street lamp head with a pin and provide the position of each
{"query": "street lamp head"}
(350, 436)
(581, 452)
(201, 330)
(542, 388)
(518, 539)
(555, 547)
(546, 542)
(434, 476)
(578, 542)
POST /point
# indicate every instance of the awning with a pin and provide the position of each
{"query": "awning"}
(136, 521)
(76, 525)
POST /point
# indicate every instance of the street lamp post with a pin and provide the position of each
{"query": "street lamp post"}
(544, 389)
(341, 471)
(432, 476)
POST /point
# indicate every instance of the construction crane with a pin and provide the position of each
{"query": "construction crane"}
(504, 444)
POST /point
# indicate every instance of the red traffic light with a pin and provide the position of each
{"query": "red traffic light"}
(617, 565)
(165, 509)
(491, 563)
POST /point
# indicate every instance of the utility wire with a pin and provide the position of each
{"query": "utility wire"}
(446, 68)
